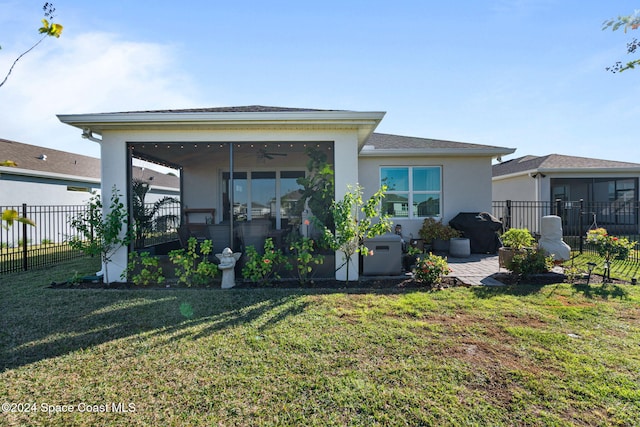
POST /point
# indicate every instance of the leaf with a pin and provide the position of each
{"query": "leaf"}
(56, 30)
(53, 30)
(10, 215)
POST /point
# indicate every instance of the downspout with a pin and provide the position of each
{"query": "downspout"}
(88, 134)
(231, 191)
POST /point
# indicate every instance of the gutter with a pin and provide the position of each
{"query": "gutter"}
(50, 175)
(601, 170)
(449, 152)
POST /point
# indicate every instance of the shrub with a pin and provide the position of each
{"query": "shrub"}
(432, 229)
(430, 269)
(263, 269)
(531, 262)
(193, 268)
(609, 247)
(149, 271)
(517, 238)
(302, 250)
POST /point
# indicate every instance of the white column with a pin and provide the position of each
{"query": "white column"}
(113, 154)
(346, 173)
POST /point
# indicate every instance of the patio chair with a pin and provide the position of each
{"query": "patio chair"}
(254, 233)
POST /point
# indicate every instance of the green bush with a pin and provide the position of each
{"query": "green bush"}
(192, 264)
(263, 269)
(609, 247)
(432, 229)
(147, 268)
(430, 268)
(303, 249)
(517, 238)
(531, 262)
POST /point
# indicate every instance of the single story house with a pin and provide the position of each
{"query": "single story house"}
(239, 165)
(608, 189)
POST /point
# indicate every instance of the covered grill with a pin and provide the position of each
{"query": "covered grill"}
(481, 229)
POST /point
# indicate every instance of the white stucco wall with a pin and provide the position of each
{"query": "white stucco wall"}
(43, 192)
(519, 188)
(466, 184)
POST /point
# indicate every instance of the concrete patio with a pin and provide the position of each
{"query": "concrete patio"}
(475, 270)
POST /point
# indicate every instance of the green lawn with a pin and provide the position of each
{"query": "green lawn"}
(554, 355)
(623, 270)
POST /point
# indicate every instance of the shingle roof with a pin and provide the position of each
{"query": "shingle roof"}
(237, 109)
(33, 157)
(557, 162)
(41, 159)
(383, 141)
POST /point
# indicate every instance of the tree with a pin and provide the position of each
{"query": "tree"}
(48, 29)
(102, 235)
(626, 22)
(317, 189)
(356, 220)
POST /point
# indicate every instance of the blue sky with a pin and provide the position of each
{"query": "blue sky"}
(527, 74)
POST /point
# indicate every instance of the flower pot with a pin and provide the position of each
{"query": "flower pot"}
(439, 245)
(459, 247)
(505, 256)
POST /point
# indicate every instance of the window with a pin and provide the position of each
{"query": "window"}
(412, 191)
(262, 195)
(75, 188)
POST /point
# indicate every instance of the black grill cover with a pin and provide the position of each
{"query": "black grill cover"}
(481, 229)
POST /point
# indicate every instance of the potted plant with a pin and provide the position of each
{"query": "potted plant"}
(514, 241)
(436, 234)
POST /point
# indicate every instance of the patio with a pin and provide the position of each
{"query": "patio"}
(476, 270)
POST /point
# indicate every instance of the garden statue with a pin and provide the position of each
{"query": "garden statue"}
(551, 238)
(228, 260)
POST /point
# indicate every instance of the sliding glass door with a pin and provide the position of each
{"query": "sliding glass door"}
(268, 195)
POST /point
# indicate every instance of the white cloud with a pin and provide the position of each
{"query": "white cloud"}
(93, 72)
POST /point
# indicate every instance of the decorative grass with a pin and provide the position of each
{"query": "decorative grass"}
(526, 355)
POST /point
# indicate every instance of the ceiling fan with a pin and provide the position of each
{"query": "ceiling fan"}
(264, 154)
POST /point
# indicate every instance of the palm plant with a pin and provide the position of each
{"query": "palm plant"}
(145, 217)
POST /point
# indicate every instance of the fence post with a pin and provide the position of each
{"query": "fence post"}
(581, 225)
(507, 221)
(25, 263)
(559, 207)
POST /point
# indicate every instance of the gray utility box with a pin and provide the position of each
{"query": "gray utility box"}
(387, 256)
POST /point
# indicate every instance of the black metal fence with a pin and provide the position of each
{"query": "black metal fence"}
(618, 218)
(24, 247)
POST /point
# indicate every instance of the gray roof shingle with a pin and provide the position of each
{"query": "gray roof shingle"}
(237, 109)
(557, 162)
(47, 160)
(383, 141)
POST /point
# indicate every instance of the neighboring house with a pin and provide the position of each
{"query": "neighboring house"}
(51, 181)
(608, 189)
(43, 176)
(259, 152)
